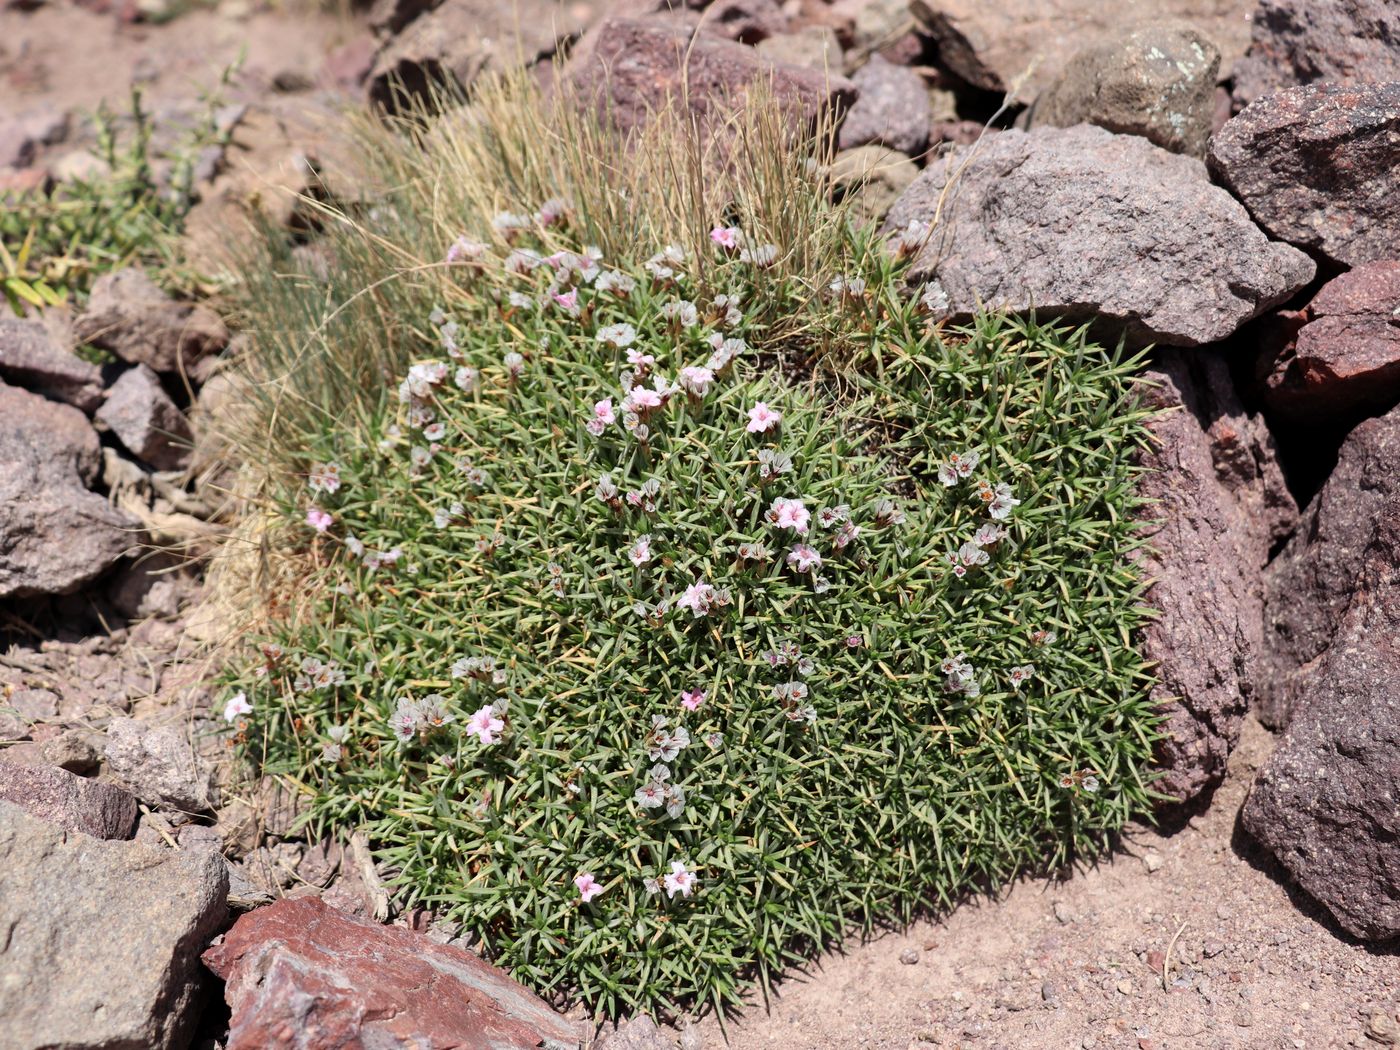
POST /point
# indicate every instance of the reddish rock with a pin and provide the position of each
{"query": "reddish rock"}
(1310, 585)
(31, 356)
(1317, 167)
(128, 315)
(301, 974)
(1325, 802)
(141, 414)
(348, 65)
(73, 803)
(1306, 41)
(629, 68)
(1218, 504)
(892, 110)
(1344, 360)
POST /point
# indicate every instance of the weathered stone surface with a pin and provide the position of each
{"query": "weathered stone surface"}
(102, 939)
(29, 357)
(146, 421)
(92, 807)
(1219, 501)
(892, 109)
(1085, 225)
(22, 708)
(54, 534)
(1325, 802)
(1317, 167)
(339, 981)
(1304, 41)
(1310, 585)
(813, 46)
(1157, 82)
(1345, 358)
(991, 45)
(875, 175)
(459, 40)
(157, 764)
(747, 21)
(629, 68)
(128, 315)
(640, 1033)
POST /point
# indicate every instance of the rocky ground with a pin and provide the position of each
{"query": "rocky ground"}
(1219, 180)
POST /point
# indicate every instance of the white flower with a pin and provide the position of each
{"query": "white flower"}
(763, 256)
(640, 552)
(237, 705)
(695, 380)
(680, 880)
(1020, 675)
(698, 598)
(619, 336)
(804, 558)
(970, 554)
(988, 535)
(1002, 502)
(465, 378)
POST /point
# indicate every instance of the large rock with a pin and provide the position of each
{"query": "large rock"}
(1325, 802)
(1306, 41)
(146, 421)
(128, 315)
(892, 109)
(1345, 359)
(30, 357)
(158, 765)
(102, 939)
(1310, 585)
(874, 177)
(993, 45)
(628, 68)
(1317, 167)
(1085, 225)
(55, 535)
(1218, 504)
(1157, 82)
(449, 47)
(336, 981)
(73, 803)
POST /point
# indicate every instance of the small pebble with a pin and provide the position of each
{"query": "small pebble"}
(1063, 912)
(1244, 1017)
(1049, 992)
(1152, 862)
(909, 957)
(1125, 986)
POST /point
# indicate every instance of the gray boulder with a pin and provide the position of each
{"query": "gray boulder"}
(158, 765)
(1085, 225)
(891, 110)
(1317, 167)
(1157, 82)
(30, 357)
(1218, 503)
(995, 45)
(1310, 585)
(73, 803)
(1325, 802)
(102, 939)
(1307, 41)
(128, 315)
(142, 416)
(55, 535)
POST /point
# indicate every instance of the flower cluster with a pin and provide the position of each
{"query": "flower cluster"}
(416, 719)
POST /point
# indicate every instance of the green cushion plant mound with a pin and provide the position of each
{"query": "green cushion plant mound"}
(656, 662)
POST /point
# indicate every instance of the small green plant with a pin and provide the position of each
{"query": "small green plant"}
(665, 610)
(54, 244)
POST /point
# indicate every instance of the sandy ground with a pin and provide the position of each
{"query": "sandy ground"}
(1078, 962)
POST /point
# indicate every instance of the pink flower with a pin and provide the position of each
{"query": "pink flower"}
(790, 514)
(569, 300)
(680, 880)
(762, 419)
(318, 519)
(237, 705)
(853, 641)
(641, 397)
(485, 726)
(588, 887)
(691, 699)
(697, 598)
(804, 558)
(727, 237)
(603, 412)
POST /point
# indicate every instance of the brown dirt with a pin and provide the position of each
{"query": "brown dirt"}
(1078, 962)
